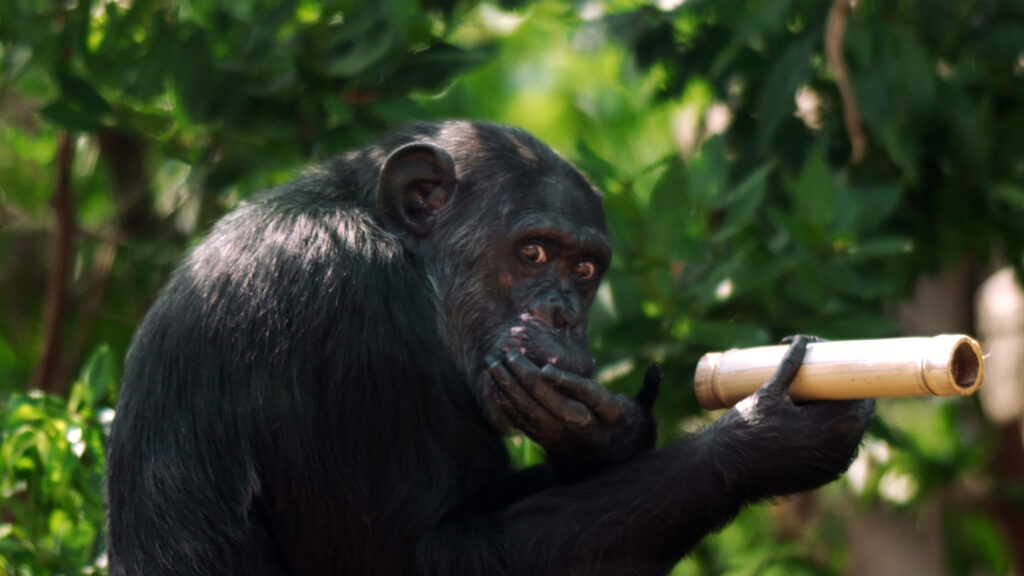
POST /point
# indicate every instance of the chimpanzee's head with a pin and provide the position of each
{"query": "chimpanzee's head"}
(511, 236)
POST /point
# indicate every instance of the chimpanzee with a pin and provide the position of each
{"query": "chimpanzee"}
(323, 385)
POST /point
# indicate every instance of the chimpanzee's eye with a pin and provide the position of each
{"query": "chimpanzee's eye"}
(534, 252)
(584, 270)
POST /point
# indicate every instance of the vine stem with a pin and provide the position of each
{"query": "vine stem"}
(835, 31)
(56, 303)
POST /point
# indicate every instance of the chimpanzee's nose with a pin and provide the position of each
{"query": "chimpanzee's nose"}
(559, 319)
(564, 315)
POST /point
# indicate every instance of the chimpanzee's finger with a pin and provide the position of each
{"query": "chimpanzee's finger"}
(602, 401)
(526, 411)
(778, 385)
(538, 425)
(652, 385)
(521, 367)
(810, 339)
(565, 409)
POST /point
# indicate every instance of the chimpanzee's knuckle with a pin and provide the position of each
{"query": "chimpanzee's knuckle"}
(552, 373)
(577, 415)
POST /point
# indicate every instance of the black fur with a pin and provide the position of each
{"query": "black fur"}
(307, 396)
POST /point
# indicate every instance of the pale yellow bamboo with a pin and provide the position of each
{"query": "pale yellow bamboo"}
(945, 365)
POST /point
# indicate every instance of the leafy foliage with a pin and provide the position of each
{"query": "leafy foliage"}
(51, 475)
(180, 110)
(716, 130)
(739, 217)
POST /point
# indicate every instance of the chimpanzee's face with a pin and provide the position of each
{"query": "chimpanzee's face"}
(554, 251)
(525, 277)
(513, 241)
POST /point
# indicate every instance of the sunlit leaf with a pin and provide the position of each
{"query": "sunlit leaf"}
(777, 98)
(95, 382)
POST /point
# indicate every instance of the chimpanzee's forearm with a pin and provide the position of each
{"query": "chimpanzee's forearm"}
(647, 513)
(639, 518)
(518, 485)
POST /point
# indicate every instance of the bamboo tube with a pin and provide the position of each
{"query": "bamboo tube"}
(945, 365)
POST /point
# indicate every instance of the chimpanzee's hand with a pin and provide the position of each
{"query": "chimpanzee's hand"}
(774, 447)
(583, 427)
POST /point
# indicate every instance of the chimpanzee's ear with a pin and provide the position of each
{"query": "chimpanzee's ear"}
(415, 183)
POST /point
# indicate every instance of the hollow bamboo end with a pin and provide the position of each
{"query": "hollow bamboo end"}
(966, 366)
(944, 365)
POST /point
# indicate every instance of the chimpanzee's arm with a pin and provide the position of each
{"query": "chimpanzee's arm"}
(643, 516)
(517, 485)
(639, 518)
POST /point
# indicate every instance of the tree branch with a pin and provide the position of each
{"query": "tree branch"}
(56, 303)
(90, 307)
(835, 31)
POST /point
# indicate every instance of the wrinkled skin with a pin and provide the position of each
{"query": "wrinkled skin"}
(581, 425)
(322, 387)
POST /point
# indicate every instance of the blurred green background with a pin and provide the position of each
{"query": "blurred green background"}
(843, 168)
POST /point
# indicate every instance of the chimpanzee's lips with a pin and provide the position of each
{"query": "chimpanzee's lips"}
(542, 346)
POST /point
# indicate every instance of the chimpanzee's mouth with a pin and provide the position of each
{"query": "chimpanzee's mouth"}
(542, 346)
(581, 364)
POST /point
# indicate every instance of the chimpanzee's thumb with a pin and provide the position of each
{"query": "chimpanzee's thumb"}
(652, 384)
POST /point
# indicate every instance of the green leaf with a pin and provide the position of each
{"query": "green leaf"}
(813, 196)
(980, 534)
(1010, 194)
(760, 18)
(196, 81)
(362, 54)
(434, 68)
(339, 112)
(743, 202)
(761, 272)
(158, 62)
(670, 190)
(151, 123)
(1000, 41)
(625, 220)
(777, 98)
(859, 325)
(626, 301)
(853, 282)
(81, 94)
(523, 451)
(724, 335)
(866, 208)
(670, 215)
(881, 247)
(95, 382)
(599, 170)
(14, 60)
(64, 114)
(709, 171)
